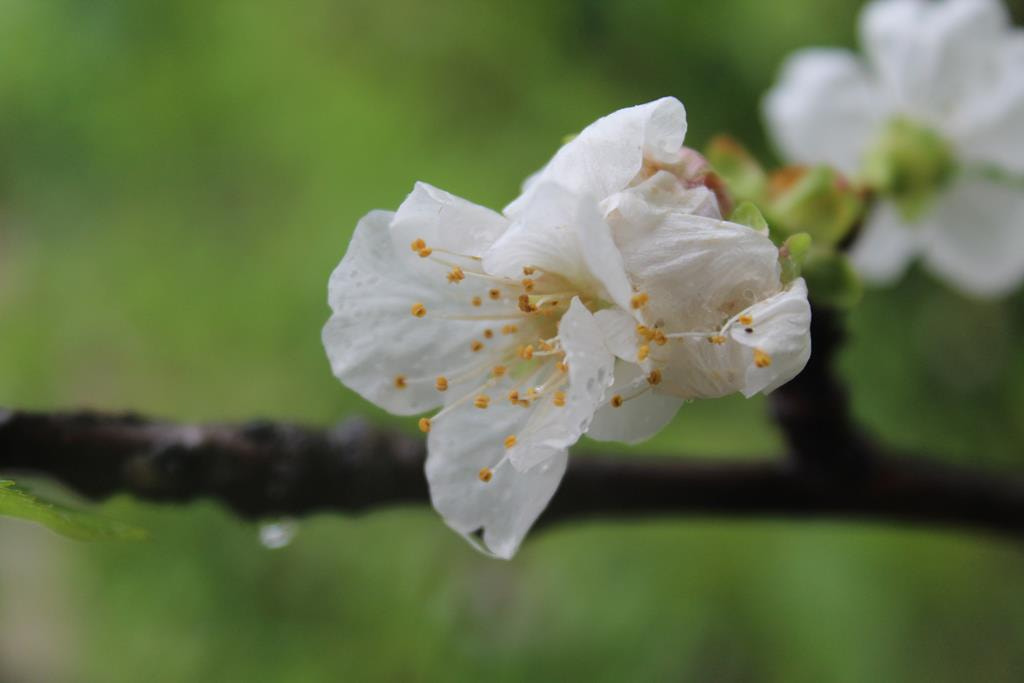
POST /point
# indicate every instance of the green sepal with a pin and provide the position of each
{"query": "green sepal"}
(749, 215)
(792, 255)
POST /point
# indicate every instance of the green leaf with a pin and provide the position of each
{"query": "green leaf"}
(749, 215)
(82, 526)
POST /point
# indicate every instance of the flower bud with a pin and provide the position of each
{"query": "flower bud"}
(816, 200)
(739, 170)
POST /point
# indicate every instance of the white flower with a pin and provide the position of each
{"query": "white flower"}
(606, 295)
(950, 73)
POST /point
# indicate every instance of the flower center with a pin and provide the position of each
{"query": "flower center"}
(909, 164)
(521, 360)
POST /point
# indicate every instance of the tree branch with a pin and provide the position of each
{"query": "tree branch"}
(264, 469)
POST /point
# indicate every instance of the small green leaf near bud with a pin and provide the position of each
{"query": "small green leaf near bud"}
(831, 279)
(742, 174)
(749, 215)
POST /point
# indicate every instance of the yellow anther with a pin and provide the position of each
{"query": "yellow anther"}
(524, 304)
(509, 329)
(488, 333)
(510, 441)
(645, 332)
(559, 398)
(425, 252)
(616, 400)
(400, 382)
(441, 383)
(746, 319)
(485, 474)
(476, 301)
(639, 300)
(529, 270)
(456, 275)
(418, 244)
(654, 377)
(642, 352)
(526, 352)
(513, 396)
(761, 359)
(562, 366)
(476, 345)
(659, 338)
(717, 339)
(482, 401)
(418, 310)
(494, 294)
(523, 403)
(424, 424)
(544, 346)
(528, 284)
(499, 370)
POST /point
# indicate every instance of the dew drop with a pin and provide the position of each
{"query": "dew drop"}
(277, 535)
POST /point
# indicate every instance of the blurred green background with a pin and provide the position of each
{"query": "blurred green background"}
(177, 179)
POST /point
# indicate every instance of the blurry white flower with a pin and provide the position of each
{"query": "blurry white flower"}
(606, 295)
(931, 118)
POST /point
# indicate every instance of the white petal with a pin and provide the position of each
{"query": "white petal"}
(991, 128)
(697, 271)
(933, 56)
(601, 255)
(444, 221)
(781, 328)
(885, 246)
(499, 512)
(640, 417)
(562, 233)
(618, 329)
(466, 440)
(372, 338)
(976, 241)
(647, 203)
(608, 154)
(695, 368)
(824, 109)
(552, 428)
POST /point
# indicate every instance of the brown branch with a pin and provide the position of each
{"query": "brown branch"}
(265, 469)
(813, 408)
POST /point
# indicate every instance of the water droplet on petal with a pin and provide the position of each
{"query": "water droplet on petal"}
(277, 535)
